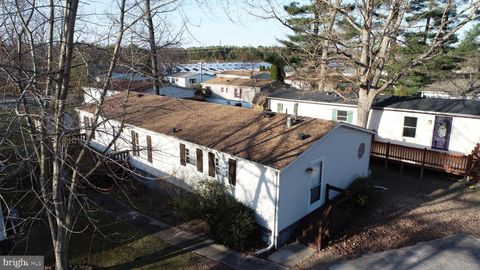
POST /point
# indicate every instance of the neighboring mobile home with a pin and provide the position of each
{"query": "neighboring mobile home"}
(235, 90)
(280, 170)
(188, 79)
(432, 123)
(93, 94)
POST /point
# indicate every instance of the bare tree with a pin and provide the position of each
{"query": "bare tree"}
(378, 27)
(27, 30)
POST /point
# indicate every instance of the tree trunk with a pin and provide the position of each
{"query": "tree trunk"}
(153, 49)
(365, 101)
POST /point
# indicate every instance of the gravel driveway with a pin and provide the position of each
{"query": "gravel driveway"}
(411, 211)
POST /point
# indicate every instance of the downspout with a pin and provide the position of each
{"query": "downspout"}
(275, 221)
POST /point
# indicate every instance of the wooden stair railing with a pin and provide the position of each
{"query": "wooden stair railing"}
(474, 164)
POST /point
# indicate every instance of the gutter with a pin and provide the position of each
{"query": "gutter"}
(275, 221)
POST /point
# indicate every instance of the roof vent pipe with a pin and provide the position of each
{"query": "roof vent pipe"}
(289, 122)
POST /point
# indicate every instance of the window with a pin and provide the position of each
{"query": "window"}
(189, 158)
(342, 116)
(316, 183)
(222, 89)
(279, 107)
(409, 126)
(226, 89)
(238, 93)
(149, 149)
(193, 80)
(232, 172)
(135, 145)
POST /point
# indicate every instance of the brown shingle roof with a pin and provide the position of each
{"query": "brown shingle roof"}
(239, 82)
(241, 132)
(134, 86)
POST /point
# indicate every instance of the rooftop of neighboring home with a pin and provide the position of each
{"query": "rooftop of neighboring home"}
(414, 103)
(317, 96)
(239, 82)
(134, 86)
(183, 74)
(247, 74)
(455, 86)
(244, 133)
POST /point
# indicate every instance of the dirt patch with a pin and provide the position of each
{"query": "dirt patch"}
(411, 211)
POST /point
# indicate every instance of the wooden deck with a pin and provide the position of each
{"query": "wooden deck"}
(424, 158)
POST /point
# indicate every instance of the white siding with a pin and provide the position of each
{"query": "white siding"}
(389, 124)
(341, 165)
(255, 183)
(465, 134)
(92, 94)
(312, 109)
(389, 127)
(248, 93)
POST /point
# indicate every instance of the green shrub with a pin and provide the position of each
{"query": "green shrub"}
(230, 222)
(363, 190)
(188, 206)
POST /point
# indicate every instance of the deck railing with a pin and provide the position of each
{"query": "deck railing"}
(119, 156)
(75, 139)
(424, 158)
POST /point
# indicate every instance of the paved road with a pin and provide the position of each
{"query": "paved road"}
(457, 252)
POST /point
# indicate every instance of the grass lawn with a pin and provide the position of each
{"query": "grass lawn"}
(109, 244)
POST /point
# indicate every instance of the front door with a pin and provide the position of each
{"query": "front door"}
(316, 176)
(441, 132)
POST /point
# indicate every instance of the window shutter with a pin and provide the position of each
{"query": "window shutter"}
(232, 171)
(183, 162)
(149, 149)
(211, 164)
(349, 117)
(334, 114)
(134, 143)
(200, 160)
(86, 122)
(90, 125)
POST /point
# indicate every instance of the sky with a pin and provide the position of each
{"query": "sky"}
(214, 27)
(210, 25)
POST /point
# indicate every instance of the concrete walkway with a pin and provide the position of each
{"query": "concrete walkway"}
(183, 240)
(459, 251)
